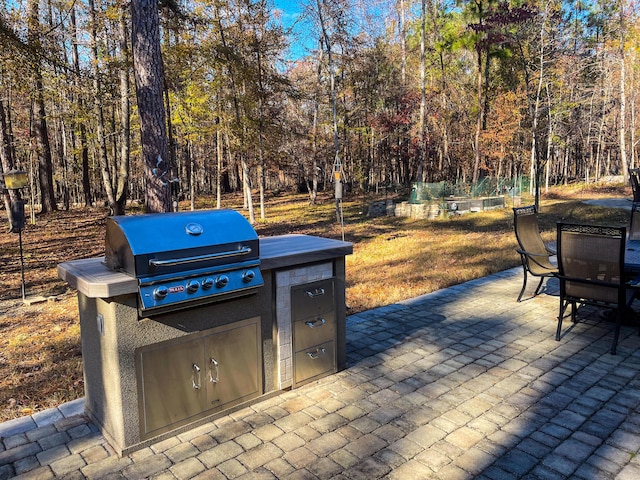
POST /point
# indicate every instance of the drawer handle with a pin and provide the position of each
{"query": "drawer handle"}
(195, 380)
(318, 292)
(213, 367)
(315, 323)
(317, 354)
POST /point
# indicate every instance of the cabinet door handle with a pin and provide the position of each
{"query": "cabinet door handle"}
(320, 351)
(318, 292)
(315, 323)
(195, 379)
(213, 366)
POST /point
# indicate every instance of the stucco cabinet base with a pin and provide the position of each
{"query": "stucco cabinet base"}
(126, 358)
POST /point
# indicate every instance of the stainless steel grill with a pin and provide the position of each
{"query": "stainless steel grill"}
(185, 259)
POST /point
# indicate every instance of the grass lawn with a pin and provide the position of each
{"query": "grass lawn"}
(394, 259)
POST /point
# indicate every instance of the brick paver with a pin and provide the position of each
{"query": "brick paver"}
(460, 383)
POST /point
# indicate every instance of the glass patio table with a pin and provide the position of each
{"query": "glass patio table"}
(632, 256)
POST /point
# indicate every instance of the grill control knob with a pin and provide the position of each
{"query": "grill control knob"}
(248, 276)
(193, 286)
(160, 292)
(221, 281)
(207, 283)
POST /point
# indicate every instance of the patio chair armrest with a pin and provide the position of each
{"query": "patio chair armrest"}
(529, 254)
(533, 258)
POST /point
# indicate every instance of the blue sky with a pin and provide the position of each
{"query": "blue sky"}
(290, 8)
(370, 17)
(301, 42)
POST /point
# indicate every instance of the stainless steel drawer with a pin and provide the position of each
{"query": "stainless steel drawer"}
(314, 362)
(314, 330)
(312, 299)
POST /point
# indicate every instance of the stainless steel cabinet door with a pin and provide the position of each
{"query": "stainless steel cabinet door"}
(234, 365)
(173, 387)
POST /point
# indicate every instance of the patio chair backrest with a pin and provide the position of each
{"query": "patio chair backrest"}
(525, 224)
(634, 178)
(588, 253)
(634, 224)
(534, 255)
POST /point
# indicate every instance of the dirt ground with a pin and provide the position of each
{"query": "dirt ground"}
(40, 355)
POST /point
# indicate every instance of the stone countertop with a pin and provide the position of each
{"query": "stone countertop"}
(91, 276)
(286, 251)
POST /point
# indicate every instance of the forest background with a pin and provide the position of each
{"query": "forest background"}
(388, 91)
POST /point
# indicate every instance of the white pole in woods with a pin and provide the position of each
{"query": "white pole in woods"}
(337, 177)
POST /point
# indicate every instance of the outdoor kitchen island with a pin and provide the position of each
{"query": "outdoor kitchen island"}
(148, 378)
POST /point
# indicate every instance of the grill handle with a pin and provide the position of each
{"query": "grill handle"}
(199, 258)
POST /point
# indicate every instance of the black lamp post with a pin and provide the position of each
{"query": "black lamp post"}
(15, 180)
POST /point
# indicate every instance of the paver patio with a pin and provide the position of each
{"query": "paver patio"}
(458, 384)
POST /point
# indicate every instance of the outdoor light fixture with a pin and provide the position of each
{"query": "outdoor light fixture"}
(15, 179)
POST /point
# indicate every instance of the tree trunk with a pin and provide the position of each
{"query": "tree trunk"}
(632, 129)
(7, 153)
(192, 175)
(125, 114)
(82, 129)
(7, 161)
(479, 119)
(173, 160)
(337, 166)
(313, 192)
(246, 183)
(261, 93)
(588, 140)
(623, 100)
(602, 128)
(535, 147)
(148, 73)
(550, 134)
(423, 91)
(107, 180)
(403, 42)
(43, 149)
(39, 130)
(63, 155)
(219, 158)
(444, 156)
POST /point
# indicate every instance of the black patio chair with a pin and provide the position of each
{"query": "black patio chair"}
(634, 178)
(591, 272)
(535, 256)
